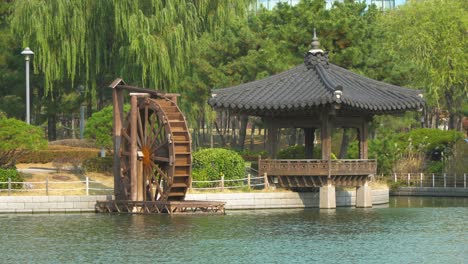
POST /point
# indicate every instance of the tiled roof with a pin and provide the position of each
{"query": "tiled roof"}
(316, 83)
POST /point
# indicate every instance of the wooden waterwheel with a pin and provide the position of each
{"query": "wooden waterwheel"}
(155, 152)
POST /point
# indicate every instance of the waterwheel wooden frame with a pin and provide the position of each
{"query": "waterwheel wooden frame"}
(152, 146)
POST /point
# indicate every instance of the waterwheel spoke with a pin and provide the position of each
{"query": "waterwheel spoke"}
(140, 131)
(160, 172)
(146, 125)
(163, 144)
(159, 158)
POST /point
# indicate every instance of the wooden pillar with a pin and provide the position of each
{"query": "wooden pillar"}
(117, 100)
(309, 137)
(326, 136)
(362, 132)
(272, 141)
(133, 148)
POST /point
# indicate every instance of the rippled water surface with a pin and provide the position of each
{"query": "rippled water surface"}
(409, 230)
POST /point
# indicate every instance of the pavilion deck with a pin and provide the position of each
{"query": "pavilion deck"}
(292, 173)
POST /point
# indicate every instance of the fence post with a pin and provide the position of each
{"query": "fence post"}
(433, 180)
(408, 179)
(9, 186)
(265, 181)
(87, 185)
(222, 183)
(248, 180)
(420, 180)
(394, 175)
(47, 185)
(445, 180)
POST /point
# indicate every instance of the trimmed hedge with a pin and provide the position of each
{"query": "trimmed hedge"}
(14, 175)
(59, 153)
(211, 164)
(102, 165)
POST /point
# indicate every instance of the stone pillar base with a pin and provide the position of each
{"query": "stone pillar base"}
(327, 197)
(363, 196)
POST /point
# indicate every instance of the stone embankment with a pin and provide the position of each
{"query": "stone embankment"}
(248, 200)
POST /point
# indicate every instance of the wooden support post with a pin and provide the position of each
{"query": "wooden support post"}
(9, 186)
(326, 137)
(394, 174)
(248, 180)
(421, 180)
(363, 131)
(464, 180)
(133, 148)
(117, 101)
(455, 179)
(408, 179)
(266, 184)
(87, 185)
(140, 181)
(445, 180)
(222, 183)
(433, 180)
(309, 137)
(47, 185)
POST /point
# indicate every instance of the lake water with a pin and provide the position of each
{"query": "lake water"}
(408, 230)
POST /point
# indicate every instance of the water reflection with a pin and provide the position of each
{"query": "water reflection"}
(431, 230)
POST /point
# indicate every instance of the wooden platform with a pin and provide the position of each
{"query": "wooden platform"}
(158, 207)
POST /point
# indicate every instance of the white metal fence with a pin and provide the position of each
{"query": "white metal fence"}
(443, 180)
(48, 187)
(250, 181)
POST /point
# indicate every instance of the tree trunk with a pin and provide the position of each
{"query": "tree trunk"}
(51, 127)
(243, 131)
(223, 142)
(252, 138)
(344, 144)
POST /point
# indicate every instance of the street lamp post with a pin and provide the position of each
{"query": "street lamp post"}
(27, 54)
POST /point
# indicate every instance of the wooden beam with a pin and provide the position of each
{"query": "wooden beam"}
(309, 137)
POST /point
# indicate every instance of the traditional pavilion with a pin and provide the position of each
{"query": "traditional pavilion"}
(318, 95)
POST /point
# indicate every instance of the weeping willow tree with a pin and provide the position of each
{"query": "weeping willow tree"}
(144, 41)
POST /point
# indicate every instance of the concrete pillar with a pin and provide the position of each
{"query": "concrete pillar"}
(327, 197)
(364, 196)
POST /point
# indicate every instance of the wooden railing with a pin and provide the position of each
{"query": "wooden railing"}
(315, 167)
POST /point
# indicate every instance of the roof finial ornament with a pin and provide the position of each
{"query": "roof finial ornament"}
(315, 42)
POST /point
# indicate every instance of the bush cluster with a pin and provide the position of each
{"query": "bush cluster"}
(97, 164)
(211, 164)
(14, 175)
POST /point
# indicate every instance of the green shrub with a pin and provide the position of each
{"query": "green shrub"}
(435, 167)
(429, 139)
(98, 164)
(99, 126)
(17, 138)
(292, 152)
(211, 164)
(248, 155)
(298, 152)
(14, 175)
